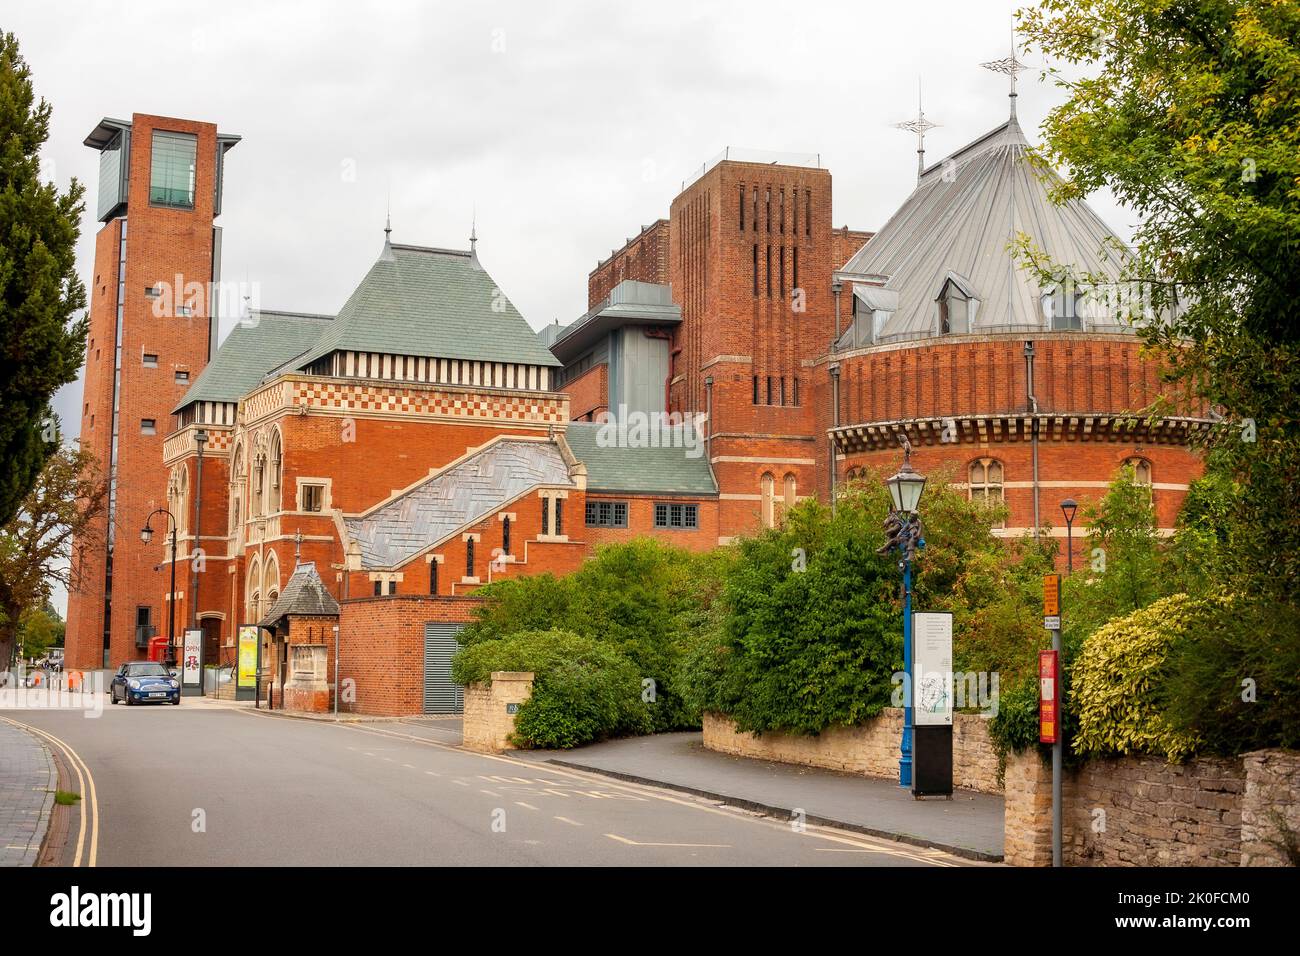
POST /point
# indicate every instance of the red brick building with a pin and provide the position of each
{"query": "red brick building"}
(736, 357)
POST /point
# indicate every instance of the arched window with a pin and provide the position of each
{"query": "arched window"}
(274, 471)
(236, 484)
(789, 490)
(1141, 470)
(252, 601)
(768, 485)
(986, 480)
(271, 579)
(259, 474)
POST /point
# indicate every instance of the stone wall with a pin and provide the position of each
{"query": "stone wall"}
(1270, 810)
(1144, 811)
(489, 718)
(870, 748)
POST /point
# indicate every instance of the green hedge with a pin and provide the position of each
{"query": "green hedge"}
(583, 690)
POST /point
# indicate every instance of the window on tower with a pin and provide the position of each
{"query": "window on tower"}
(172, 169)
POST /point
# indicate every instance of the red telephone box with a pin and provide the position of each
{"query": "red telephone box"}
(158, 649)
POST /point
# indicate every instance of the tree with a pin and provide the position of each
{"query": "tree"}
(41, 345)
(1190, 114)
(36, 547)
(39, 629)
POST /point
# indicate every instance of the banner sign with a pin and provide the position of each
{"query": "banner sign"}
(247, 655)
(1049, 697)
(932, 668)
(191, 662)
(1051, 595)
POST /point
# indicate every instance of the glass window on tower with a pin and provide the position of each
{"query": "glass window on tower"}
(171, 170)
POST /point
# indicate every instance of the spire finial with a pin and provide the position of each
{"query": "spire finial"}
(387, 254)
(473, 237)
(919, 126)
(1009, 66)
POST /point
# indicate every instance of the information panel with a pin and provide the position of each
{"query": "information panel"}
(932, 668)
(192, 664)
(247, 655)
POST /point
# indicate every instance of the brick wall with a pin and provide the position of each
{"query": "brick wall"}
(488, 723)
(870, 748)
(643, 258)
(589, 394)
(381, 650)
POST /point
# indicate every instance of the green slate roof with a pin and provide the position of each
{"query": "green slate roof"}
(613, 466)
(433, 303)
(259, 343)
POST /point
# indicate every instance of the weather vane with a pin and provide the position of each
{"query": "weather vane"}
(1008, 66)
(920, 125)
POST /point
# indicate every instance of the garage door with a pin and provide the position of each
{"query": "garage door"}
(441, 696)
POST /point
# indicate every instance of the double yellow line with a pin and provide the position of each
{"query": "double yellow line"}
(88, 836)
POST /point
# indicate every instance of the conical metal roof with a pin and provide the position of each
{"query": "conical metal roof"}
(959, 224)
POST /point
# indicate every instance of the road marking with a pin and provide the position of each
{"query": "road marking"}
(432, 773)
(573, 823)
(529, 806)
(490, 793)
(708, 846)
(408, 766)
(89, 795)
(875, 844)
(460, 783)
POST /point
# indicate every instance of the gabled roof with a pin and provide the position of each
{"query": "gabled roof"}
(304, 593)
(433, 303)
(679, 467)
(458, 496)
(260, 343)
(960, 220)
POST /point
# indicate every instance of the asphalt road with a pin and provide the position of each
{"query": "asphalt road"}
(205, 784)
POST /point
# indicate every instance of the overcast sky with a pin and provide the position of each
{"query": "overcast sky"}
(564, 126)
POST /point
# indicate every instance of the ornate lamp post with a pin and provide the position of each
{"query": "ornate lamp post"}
(1068, 507)
(903, 534)
(146, 535)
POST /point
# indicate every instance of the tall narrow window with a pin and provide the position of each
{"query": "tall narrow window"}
(794, 256)
(505, 535)
(782, 401)
(756, 268)
(433, 577)
(546, 516)
(807, 212)
(742, 208)
(469, 558)
(768, 486)
(559, 515)
(379, 588)
(755, 389)
(769, 272)
(790, 497)
(794, 211)
(782, 272)
(794, 391)
(754, 217)
(171, 169)
(769, 390)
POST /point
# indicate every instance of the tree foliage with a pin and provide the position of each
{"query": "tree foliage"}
(1190, 115)
(36, 547)
(41, 345)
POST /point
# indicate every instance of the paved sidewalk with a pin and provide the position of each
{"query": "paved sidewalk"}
(969, 825)
(28, 779)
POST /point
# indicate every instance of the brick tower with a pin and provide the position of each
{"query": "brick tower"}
(152, 330)
(751, 260)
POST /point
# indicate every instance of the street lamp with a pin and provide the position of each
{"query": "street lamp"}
(1068, 507)
(146, 535)
(903, 534)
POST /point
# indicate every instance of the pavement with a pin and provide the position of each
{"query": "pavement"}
(214, 784)
(28, 779)
(969, 825)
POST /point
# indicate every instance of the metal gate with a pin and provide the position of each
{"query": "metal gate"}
(441, 696)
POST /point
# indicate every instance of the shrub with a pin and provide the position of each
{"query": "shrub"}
(583, 690)
(1117, 677)
(1233, 682)
(526, 603)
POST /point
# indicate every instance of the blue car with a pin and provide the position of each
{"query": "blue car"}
(144, 682)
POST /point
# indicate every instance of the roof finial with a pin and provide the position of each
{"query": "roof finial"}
(1009, 66)
(473, 236)
(919, 126)
(387, 254)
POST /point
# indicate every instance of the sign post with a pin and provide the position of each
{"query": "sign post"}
(932, 689)
(1052, 622)
(192, 664)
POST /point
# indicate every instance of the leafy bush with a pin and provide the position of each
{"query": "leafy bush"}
(583, 690)
(527, 603)
(1233, 681)
(1117, 676)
